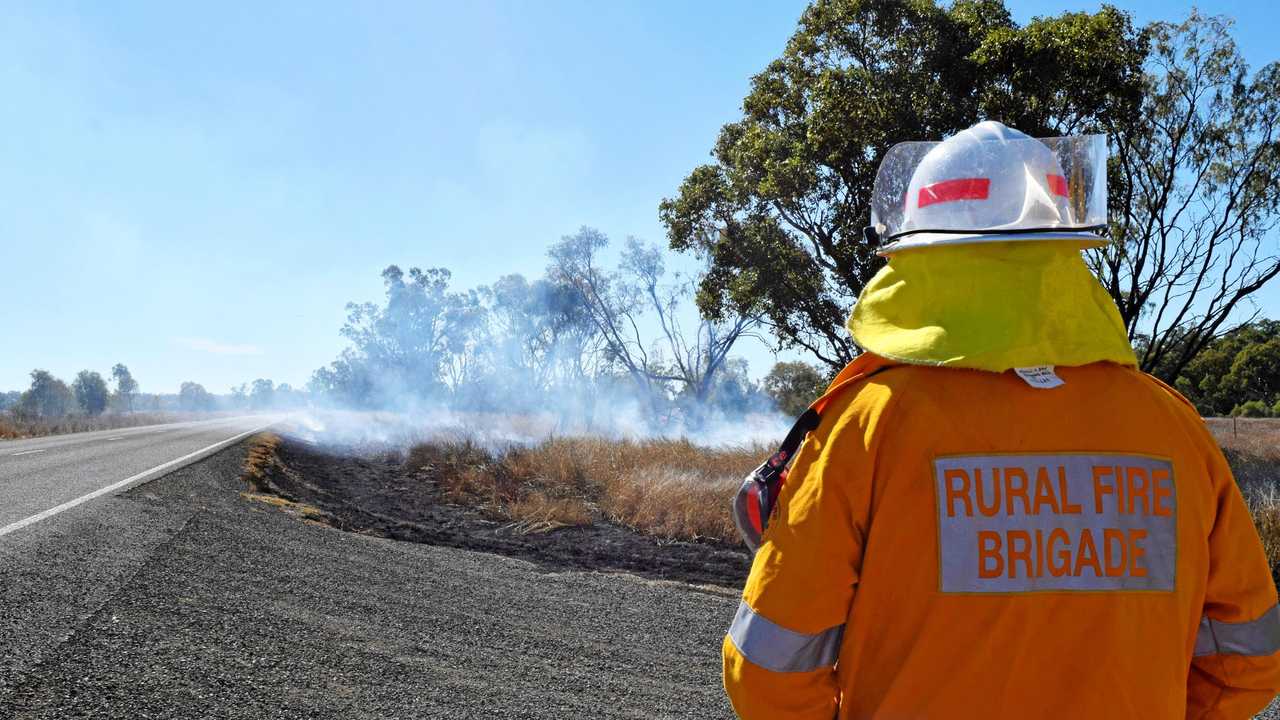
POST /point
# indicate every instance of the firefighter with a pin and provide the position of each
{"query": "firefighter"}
(997, 514)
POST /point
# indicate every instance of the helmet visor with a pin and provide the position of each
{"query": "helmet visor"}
(991, 187)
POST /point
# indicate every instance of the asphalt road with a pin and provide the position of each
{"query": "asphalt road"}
(41, 474)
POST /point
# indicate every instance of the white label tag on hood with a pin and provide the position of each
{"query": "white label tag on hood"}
(1040, 376)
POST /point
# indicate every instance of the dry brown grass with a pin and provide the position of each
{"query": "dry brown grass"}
(12, 428)
(261, 459)
(308, 513)
(262, 467)
(1266, 517)
(670, 489)
(1252, 447)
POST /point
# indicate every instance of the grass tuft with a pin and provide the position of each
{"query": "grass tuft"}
(668, 488)
(302, 510)
(261, 460)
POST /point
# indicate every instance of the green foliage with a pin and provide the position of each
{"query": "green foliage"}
(263, 394)
(793, 385)
(540, 333)
(9, 399)
(285, 396)
(1238, 368)
(687, 363)
(1252, 409)
(48, 397)
(192, 397)
(126, 386)
(401, 349)
(576, 344)
(91, 392)
(779, 213)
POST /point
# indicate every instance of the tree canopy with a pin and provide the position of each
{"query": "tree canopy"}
(192, 397)
(126, 386)
(779, 213)
(1194, 173)
(1239, 368)
(1195, 194)
(48, 397)
(91, 392)
(793, 385)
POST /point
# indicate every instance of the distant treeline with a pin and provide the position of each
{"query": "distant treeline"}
(90, 394)
(1237, 374)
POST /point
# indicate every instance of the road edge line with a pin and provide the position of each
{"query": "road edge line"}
(138, 479)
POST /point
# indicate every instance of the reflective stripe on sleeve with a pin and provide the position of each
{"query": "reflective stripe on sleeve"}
(776, 648)
(1260, 636)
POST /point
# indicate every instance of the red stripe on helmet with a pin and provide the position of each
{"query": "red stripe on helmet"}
(958, 189)
(1058, 185)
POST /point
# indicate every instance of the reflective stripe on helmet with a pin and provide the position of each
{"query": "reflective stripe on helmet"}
(950, 190)
(1058, 185)
(1260, 636)
(776, 648)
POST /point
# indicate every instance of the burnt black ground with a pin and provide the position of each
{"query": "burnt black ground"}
(375, 494)
(180, 599)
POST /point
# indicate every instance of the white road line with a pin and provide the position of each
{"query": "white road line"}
(26, 452)
(115, 438)
(135, 479)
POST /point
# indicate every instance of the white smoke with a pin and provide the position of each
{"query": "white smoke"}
(394, 430)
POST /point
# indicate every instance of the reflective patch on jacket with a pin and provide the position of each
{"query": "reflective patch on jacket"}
(776, 648)
(1056, 522)
(1257, 637)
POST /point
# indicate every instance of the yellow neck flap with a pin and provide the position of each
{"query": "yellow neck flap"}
(990, 306)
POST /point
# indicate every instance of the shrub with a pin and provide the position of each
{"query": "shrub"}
(793, 385)
(1251, 408)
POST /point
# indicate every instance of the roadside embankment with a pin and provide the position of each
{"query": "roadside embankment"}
(657, 510)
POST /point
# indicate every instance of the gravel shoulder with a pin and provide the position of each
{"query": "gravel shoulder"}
(217, 606)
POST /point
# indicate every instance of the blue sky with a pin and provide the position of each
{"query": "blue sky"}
(196, 191)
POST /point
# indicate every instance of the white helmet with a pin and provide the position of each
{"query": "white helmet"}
(991, 183)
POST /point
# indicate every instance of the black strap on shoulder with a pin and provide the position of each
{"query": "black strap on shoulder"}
(805, 424)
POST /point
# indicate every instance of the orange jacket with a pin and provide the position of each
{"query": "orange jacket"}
(958, 544)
